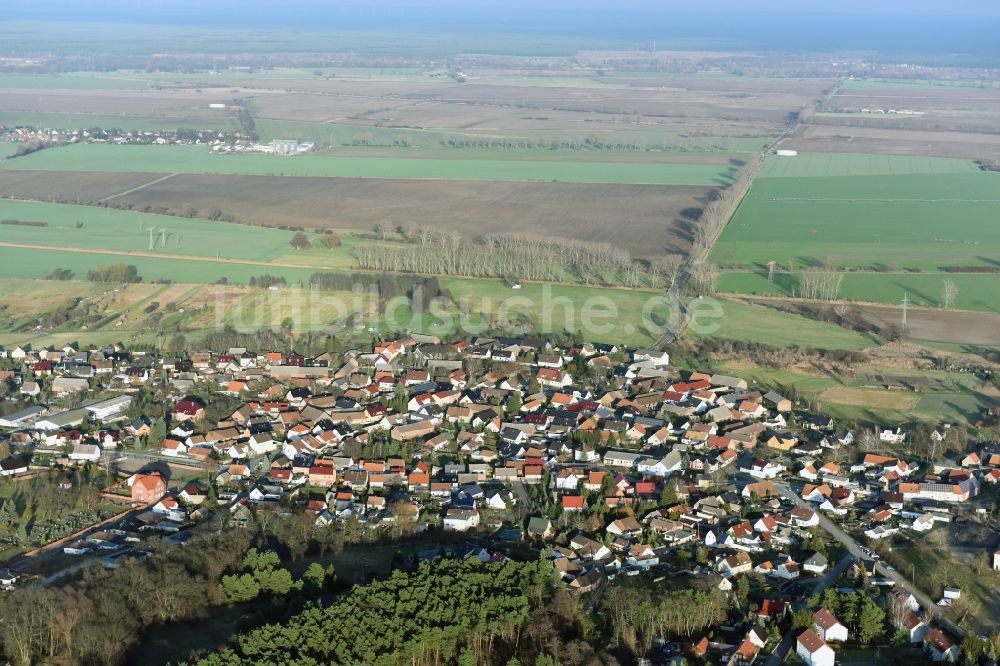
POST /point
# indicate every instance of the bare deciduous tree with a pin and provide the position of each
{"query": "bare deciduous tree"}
(949, 292)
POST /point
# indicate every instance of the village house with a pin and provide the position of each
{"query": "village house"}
(813, 650)
(828, 627)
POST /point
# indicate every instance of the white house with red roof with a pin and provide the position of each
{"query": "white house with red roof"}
(828, 627)
(813, 649)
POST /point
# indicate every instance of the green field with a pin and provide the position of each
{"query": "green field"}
(121, 230)
(824, 165)
(72, 81)
(898, 219)
(19, 262)
(977, 292)
(198, 159)
(753, 323)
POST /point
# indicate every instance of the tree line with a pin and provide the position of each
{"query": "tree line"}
(514, 256)
(98, 618)
(124, 273)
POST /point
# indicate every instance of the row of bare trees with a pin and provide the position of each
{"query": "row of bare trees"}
(510, 255)
(821, 284)
(717, 213)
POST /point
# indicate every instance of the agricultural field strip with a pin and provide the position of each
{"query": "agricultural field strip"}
(153, 255)
(977, 292)
(99, 229)
(197, 159)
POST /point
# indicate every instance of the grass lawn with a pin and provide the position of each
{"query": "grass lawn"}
(198, 159)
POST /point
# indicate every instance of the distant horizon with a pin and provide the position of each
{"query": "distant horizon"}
(912, 29)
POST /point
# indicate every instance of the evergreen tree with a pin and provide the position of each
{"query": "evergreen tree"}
(871, 620)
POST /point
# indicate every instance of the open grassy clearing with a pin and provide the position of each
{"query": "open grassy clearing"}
(883, 219)
(108, 229)
(953, 397)
(935, 567)
(859, 397)
(198, 159)
(738, 320)
(976, 292)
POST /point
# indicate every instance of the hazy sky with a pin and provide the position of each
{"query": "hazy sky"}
(900, 26)
(288, 8)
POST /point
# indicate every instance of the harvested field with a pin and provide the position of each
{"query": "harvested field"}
(887, 141)
(644, 106)
(647, 220)
(874, 399)
(422, 101)
(143, 103)
(85, 186)
(976, 328)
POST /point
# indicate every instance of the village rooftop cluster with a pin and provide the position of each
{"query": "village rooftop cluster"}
(608, 460)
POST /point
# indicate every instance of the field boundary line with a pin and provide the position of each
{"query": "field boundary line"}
(140, 187)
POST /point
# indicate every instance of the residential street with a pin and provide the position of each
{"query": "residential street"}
(852, 546)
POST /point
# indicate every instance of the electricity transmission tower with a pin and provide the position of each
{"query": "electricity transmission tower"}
(770, 271)
(905, 302)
